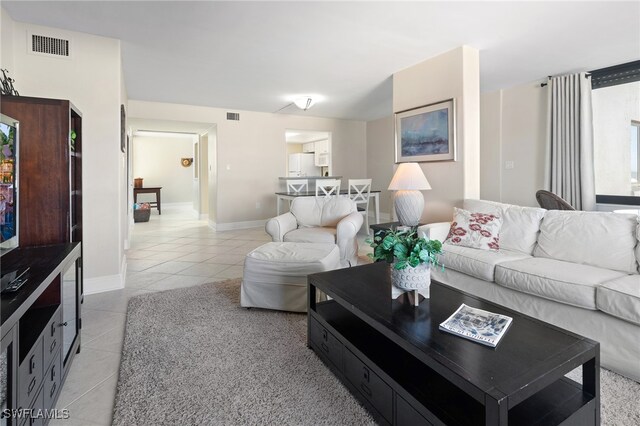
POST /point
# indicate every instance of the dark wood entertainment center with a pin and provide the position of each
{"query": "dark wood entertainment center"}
(41, 321)
(393, 358)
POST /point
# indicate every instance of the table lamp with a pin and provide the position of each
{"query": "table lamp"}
(408, 181)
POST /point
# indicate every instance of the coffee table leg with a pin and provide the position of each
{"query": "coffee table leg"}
(591, 381)
(495, 412)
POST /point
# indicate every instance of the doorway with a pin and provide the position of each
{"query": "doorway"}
(308, 153)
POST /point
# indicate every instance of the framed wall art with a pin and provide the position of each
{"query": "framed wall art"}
(426, 133)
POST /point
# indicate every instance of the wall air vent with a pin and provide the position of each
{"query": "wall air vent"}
(49, 46)
(233, 116)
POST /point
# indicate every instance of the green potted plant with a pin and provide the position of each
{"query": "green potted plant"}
(410, 257)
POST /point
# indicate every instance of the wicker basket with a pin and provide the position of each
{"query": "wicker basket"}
(141, 215)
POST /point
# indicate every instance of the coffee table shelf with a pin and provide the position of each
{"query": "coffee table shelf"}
(432, 377)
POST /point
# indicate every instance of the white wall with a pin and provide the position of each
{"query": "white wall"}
(203, 165)
(513, 129)
(6, 43)
(92, 80)
(380, 160)
(454, 74)
(212, 173)
(156, 159)
(613, 109)
(251, 155)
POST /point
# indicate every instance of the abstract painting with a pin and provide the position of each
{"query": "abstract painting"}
(426, 133)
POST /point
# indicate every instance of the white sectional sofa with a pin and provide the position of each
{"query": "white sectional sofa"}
(576, 270)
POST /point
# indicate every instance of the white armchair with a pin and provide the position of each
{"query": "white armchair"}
(320, 220)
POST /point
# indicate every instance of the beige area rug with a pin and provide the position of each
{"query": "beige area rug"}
(193, 357)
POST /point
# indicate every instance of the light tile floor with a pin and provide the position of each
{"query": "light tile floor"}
(168, 252)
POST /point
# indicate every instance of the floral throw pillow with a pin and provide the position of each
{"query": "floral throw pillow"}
(475, 230)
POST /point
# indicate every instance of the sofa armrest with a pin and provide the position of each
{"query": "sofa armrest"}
(435, 231)
(278, 226)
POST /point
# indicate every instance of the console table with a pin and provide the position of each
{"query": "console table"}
(393, 358)
(151, 190)
(40, 329)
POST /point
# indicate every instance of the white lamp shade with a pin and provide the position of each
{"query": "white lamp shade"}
(409, 176)
(304, 102)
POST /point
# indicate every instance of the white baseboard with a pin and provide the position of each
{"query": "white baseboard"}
(106, 282)
(232, 226)
(204, 216)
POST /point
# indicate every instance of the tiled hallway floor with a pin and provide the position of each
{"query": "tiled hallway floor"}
(170, 251)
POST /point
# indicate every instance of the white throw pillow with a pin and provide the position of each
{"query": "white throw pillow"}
(520, 225)
(475, 230)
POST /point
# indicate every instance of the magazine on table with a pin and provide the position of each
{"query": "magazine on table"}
(477, 325)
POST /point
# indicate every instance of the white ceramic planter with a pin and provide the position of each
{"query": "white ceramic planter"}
(418, 278)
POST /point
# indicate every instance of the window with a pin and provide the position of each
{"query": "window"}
(616, 127)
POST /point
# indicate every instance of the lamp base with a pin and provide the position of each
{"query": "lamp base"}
(409, 206)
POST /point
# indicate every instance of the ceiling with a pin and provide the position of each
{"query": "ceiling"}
(259, 55)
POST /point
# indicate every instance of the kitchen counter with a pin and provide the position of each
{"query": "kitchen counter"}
(310, 177)
(311, 181)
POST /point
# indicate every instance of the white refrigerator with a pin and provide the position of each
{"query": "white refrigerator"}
(302, 165)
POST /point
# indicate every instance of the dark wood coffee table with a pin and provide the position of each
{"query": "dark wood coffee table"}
(394, 359)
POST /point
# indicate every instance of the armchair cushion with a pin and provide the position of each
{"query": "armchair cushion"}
(321, 211)
(311, 235)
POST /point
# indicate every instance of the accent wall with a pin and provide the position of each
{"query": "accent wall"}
(454, 74)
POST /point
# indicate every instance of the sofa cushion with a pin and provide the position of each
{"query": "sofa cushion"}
(564, 282)
(601, 239)
(475, 230)
(311, 235)
(520, 225)
(475, 262)
(620, 298)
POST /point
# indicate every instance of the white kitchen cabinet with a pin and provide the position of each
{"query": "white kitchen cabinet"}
(322, 153)
(322, 146)
(308, 147)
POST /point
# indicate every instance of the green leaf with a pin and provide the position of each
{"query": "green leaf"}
(424, 255)
(388, 242)
(400, 248)
(401, 264)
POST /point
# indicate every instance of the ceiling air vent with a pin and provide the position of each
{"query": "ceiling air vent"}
(233, 116)
(46, 45)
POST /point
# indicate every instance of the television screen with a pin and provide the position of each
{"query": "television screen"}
(8, 184)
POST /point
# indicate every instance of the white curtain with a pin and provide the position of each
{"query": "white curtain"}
(570, 170)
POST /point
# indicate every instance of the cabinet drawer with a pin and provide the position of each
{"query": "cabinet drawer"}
(370, 385)
(52, 379)
(327, 343)
(52, 337)
(406, 415)
(30, 375)
(38, 404)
